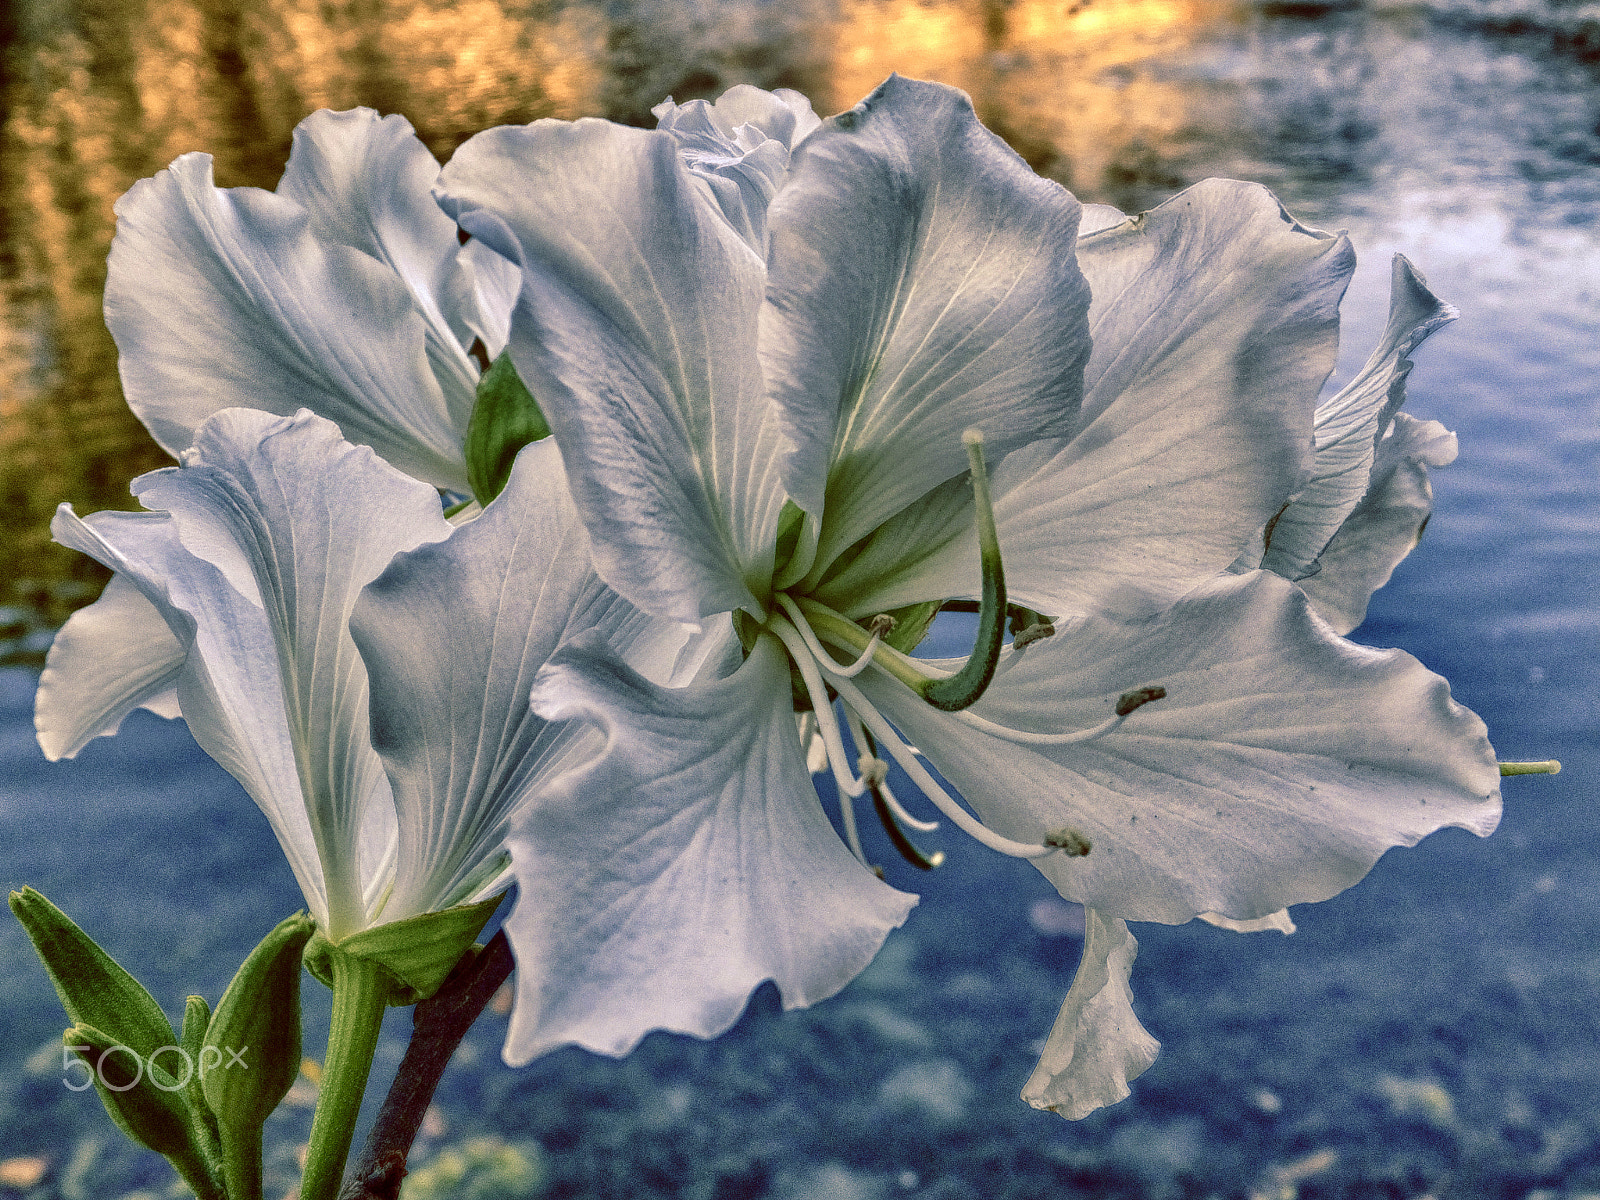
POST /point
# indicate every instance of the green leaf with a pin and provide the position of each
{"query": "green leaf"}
(505, 418)
(94, 989)
(418, 953)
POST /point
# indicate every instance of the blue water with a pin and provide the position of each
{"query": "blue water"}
(1432, 1031)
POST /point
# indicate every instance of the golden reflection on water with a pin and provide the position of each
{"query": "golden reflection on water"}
(102, 93)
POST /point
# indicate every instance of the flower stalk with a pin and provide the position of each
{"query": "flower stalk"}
(361, 990)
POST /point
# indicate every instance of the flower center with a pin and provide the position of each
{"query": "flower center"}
(803, 625)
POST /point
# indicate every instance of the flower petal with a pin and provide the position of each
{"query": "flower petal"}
(1385, 526)
(1349, 427)
(636, 331)
(1281, 763)
(228, 297)
(315, 519)
(1097, 1044)
(228, 685)
(659, 884)
(453, 634)
(921, 282)
(1215, 322)
(366, 182)
(114, 656)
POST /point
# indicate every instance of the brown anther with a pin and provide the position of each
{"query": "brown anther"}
(1070, 842)
(1138, 698)
(1033, 633)
(882, 625)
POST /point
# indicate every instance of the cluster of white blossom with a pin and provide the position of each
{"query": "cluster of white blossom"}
(805, 383)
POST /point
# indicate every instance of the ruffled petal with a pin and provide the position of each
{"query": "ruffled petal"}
(662, 882)
(114, 656)
(1385, 526)
(366, 182)
(1215, 322)
(315, 519)
(1349, 427)
(228, 685)
(636, 331)
(922, 282)
(452, 635)
(1097, 1044)
(228, 297)
(1281, 763)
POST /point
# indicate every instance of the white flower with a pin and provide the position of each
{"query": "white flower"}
(232, 606)
(765, 428)
(346, 291)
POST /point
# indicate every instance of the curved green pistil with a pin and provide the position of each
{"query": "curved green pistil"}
(968, 684)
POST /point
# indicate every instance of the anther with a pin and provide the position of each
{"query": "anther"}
(1070, 842)
(873, 770)
(882, 625)
(1138, 698)
(1033, 633)
(1549, 767)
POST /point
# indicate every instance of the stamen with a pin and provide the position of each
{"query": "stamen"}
(968, 684)
(875, 772)
(1025, 737)
(1138, 698)
(1033, 633)
(1127, 703)
(1550, 767)
(808, 616)
(1070, 842)
(964, 820)
(827, 726)
(908, 849)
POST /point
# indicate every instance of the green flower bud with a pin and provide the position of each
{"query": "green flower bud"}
(145, 1099)
(94, 989)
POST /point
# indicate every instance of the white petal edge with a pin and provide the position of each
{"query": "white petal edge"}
(1349, 426)
(113, 657)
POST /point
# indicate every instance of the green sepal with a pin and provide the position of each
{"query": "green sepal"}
(146, 1102)
(911, 625)
(505, 418)
(257, 1020)
(417, 953)
(94, 988)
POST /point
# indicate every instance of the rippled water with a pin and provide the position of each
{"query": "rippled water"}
(1464, 133)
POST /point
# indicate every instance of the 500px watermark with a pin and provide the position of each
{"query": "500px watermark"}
(235, 1058)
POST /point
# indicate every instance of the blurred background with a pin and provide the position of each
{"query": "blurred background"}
(1431, 1033)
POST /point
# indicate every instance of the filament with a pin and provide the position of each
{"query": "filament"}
(964, 820)
(827, 725)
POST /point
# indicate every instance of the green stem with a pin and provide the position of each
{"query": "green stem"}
(241, 1161)
(360, 995)
(833, 627)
